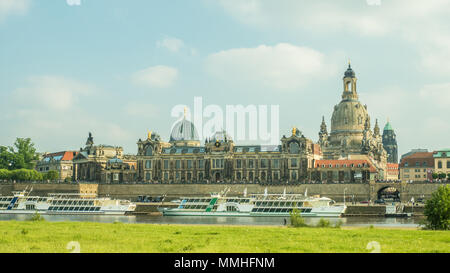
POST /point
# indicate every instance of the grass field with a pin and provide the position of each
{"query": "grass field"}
(42, 236)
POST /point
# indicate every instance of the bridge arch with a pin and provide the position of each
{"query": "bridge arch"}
(389, 193)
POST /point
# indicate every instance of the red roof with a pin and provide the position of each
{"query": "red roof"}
(339, 163)
(66, 155)
(421, 159)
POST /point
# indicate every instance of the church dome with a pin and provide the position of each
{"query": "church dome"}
(184, 130)
(388, 127)
(349, 73)
(348, 116)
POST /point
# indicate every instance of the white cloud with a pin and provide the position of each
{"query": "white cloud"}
(159, 76)
(423, 24)
(13, 7)
(171, 44)
(52, 92)
(283, 66)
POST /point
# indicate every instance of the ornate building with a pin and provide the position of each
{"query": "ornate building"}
(390, 143)
(351, 136)
(103, 163)
(184, 160)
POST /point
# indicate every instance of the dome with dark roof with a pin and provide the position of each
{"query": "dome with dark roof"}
(349, 73)
(184, 130)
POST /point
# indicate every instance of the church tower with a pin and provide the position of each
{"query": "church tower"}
(390, 143)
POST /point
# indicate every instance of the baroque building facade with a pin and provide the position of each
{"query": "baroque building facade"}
(104, 163)
(351, 136)
(184, 160)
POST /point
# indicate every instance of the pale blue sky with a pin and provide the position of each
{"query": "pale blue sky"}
(116, 68)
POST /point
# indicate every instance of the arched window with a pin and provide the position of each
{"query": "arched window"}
(439, 164)
(149, 151)
(294, 148)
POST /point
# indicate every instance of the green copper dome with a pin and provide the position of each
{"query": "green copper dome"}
(388, 127)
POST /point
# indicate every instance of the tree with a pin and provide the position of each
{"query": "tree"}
(6, 158)
(5, 174)
(21, 156)
(52, 175)
(442, 175)
(296, 218)
(435, 176)
(25, 149)
(437, 209)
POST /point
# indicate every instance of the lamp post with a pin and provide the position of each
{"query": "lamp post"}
(344, 195)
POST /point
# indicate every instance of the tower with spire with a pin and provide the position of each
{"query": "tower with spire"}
(390, 143)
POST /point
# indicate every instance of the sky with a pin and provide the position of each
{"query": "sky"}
(118, 68)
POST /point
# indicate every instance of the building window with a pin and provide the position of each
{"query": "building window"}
(115, 176)
(189, 164)
(293, 162)
(166, 164)
(177, 164)
(263, 163)
(275, 175)
(201, 163)
(439, 164)
(250, 176)
(148, 164)
(166, 176)
(149, 151)
(275, 163)
(250, 163)
(147, 176)
(448, 164)
(200, 176)
(294, 175)
(238, 176)
(293, 148)
(238, 164)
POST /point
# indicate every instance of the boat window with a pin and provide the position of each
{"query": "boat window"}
(266, 210)
(76, 208)
(254, 209)
(97, 208)
(278, 210)
(272, 210)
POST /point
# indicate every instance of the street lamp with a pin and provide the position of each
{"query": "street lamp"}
(344, 195)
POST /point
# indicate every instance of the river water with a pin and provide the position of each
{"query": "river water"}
(191, 220)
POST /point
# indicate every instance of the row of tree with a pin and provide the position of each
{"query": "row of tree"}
(28, 175)
(22, 155)
(441, 176)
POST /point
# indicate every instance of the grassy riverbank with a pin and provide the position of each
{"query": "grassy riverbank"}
(42, 236)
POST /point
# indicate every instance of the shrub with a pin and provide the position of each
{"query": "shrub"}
(36, 217)
(338, 224)
(442, 175)
(68, 179)
(437, 209)
(52, 175)
(435, 176)
(323, 223)
(296, 218)
(5, 174)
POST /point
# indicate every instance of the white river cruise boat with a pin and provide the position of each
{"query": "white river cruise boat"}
(256, 205)
(63, 203)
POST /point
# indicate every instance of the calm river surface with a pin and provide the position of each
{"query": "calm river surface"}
(274, 221)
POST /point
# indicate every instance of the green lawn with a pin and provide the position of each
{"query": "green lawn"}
(42, 236)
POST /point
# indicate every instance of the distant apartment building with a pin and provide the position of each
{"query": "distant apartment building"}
(442, 162)
(60, 162)
(392, 170)
(418, 166)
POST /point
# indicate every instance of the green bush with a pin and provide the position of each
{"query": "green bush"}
(296, 218)
(52, 175)
(323, 223)
(338, 224)
(442, 175)
(437, 209)
(68, 179)
(435, 176)
(37, 217)
(5, 174)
